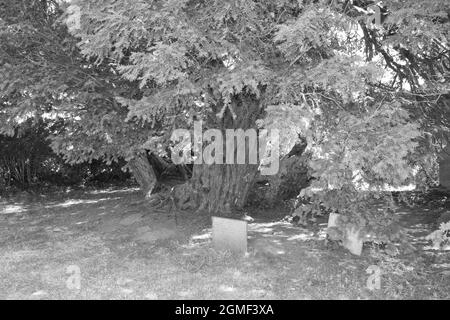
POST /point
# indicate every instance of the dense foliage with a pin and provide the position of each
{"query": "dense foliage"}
(28, 162)
(24, 156)
(370, 93)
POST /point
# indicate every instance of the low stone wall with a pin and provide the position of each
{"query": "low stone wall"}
(444, 168)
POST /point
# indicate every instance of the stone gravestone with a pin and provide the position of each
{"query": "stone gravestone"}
(353, 241)
(229, 234)
(351, 238)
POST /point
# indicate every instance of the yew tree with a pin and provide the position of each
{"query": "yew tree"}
(44, 76)
(359, 80)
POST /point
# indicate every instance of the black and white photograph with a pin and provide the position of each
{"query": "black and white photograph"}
(223, 158)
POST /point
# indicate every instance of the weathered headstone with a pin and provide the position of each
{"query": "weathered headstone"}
(444, 168)
(353, 240)
(229, 234)
(351, 237)
(333, 220)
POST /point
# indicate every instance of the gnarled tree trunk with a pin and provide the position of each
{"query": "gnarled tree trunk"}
(143, 173)
(217, 189)
(224, 188)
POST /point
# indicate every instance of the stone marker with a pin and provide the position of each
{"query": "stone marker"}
(229, 234)
(351, 239)
(333, 220)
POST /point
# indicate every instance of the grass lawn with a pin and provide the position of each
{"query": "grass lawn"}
(123, 249)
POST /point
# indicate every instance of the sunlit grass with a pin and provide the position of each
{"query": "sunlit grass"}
(283, 262)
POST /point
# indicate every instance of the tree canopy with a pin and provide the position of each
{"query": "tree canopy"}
(366, 83)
